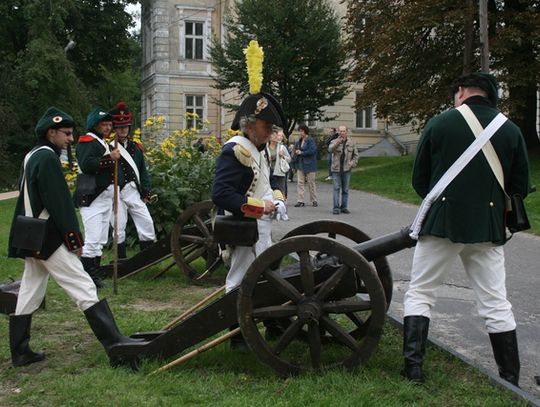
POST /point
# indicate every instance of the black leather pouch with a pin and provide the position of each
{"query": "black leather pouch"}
(235, 230)
(29, 233)
(516, 219)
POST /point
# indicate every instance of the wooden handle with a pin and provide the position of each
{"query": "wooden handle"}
(193, 353)
(193, 308)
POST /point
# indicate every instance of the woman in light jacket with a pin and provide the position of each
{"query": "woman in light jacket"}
(279, 162)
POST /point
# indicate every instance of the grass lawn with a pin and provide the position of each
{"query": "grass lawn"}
(76, 371)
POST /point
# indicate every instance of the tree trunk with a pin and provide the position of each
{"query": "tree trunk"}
(526, 114)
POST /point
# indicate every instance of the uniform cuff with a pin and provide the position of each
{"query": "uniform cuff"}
(277, 194)
(253, 208)
(73, 240)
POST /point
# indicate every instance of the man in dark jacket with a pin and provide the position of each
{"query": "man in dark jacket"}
(134, 183)
(44, 193)
(96, 160)
(466, 221)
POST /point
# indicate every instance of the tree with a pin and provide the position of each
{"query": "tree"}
(38, 70)
(407, 53)
(304, 57)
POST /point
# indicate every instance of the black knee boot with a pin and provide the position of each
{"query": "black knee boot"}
(505, 350)
(89, 265)
(19, 338)
(122, 255)
(103, 325)
(415, 332)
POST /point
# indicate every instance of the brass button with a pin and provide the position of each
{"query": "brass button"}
(443, 198)
(38, 252)
(491, 204)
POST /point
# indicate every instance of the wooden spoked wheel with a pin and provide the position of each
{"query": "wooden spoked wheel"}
(191, 238)
(320, 298)
(336, 229)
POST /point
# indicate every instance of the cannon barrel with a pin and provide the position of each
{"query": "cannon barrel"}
(385, 245)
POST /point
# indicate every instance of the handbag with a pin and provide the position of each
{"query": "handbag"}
(235, 230)
(516, 217)
(284, 165)
(28, 233)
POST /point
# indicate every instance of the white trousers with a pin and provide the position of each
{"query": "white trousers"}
(130, 202)
(243, 256)
(96, 219)
(484, 265)
(66, 269)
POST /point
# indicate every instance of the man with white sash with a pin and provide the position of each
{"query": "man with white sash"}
(134, 183)
(242, 181)
(466, 219)
(96, 160)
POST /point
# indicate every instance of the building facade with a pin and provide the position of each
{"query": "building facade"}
(177, 76)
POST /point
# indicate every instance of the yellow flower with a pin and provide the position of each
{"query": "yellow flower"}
(148, 122)
(254, 63)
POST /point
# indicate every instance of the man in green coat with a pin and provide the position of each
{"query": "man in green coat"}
(48, 197)
(466, 221)
(96, 160)
(133, 182)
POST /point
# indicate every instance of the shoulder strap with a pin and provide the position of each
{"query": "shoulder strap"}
(26, 198)
(453, 171)
(488, 150)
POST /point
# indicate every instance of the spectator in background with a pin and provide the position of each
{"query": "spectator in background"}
(292, 169)
(344, 158)
(279, 159)
(199, 145)
(332, 136)
(306, 153)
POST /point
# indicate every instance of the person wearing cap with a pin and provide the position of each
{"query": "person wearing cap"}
(134, 183)
(96, 160)
(43, 182)
(242, 181)
(466, 221)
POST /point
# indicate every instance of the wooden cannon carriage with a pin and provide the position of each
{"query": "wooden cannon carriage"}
(330, 302)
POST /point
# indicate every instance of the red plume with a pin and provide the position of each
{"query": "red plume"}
(121, 105)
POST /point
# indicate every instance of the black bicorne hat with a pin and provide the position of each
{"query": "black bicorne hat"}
(263, 106)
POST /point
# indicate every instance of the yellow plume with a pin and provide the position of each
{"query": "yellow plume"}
(254, 62)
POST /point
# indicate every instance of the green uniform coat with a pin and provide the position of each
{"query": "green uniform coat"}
(47, 188)
(91, 161)
(472, 208)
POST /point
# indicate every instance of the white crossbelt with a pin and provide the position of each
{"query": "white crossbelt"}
(453, 171)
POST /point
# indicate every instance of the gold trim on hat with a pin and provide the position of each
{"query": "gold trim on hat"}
(262, 104)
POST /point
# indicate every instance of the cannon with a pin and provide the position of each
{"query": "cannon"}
(328, 299)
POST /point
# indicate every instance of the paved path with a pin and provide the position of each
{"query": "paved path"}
(8, 195)
(455, 322)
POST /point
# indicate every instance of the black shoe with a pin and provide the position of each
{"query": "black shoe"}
(299, 204)
(121, 251)
(145, 244)
(345, 210)
(19, 339)
(315, 203)
(415, 332)
(506, 353)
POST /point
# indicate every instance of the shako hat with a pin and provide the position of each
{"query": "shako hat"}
(53, 118)
(121, 116)
(262, 106)
(95, 116)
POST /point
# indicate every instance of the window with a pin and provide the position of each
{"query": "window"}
(194, 111)
(365, 118)
(194, 40)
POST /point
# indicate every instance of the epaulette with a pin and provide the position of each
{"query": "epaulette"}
(141, 147)
(242, 154)
(86, 139)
